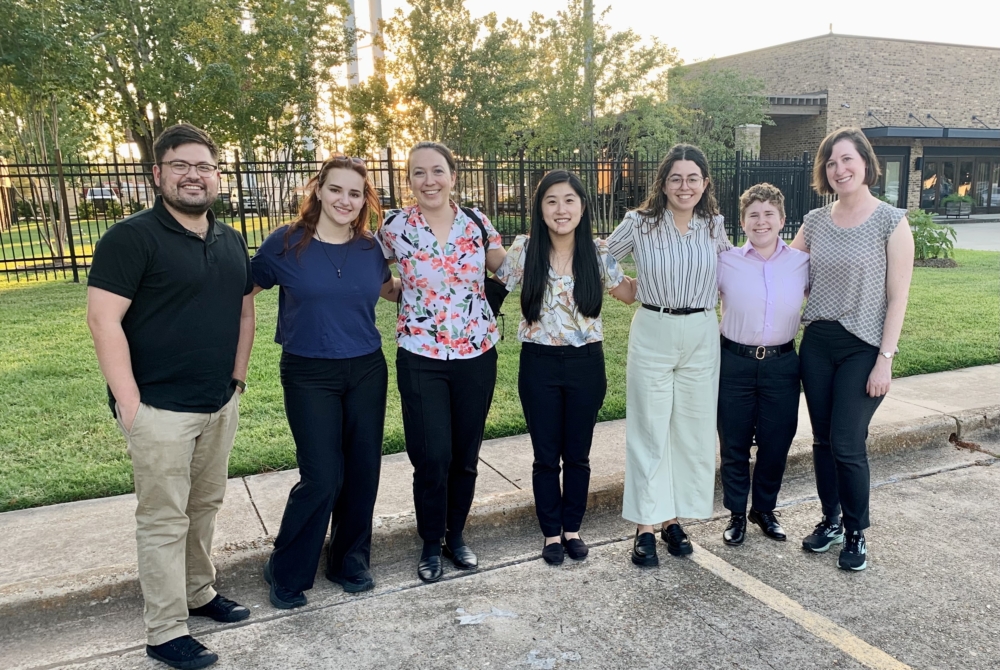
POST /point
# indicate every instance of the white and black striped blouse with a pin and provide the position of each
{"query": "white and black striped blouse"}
(674, 270)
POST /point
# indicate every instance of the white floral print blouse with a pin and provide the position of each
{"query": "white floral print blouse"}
(560, 323)
(444, 312)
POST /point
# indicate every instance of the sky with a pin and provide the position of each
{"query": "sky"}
(702, 29)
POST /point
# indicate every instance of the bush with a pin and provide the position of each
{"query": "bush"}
(220, 208)
(114, 210)
(955, 197)
(930, 240)
(86, 210)
(135, 206)
(25, 210)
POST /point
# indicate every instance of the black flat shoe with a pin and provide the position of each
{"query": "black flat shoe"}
(575, 548)
(768, 523)
(357, 584)
(677, 540)
(280, 597)
(430, 569)
(462, 557)
(644, 550)
(736, 531)
(184, 652)
(553, 553)
(222, 610)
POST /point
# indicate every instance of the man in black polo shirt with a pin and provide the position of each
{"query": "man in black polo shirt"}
(170, 310)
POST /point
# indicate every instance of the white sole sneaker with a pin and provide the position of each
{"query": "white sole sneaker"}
(836, 539)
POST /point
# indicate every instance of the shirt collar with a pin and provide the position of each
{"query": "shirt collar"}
(747, 248)
(164, 216)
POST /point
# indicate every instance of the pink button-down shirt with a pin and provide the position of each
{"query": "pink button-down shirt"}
(762, 299)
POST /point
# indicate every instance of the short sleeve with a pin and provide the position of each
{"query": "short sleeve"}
(610, 268)
(386, 272)
(119, 262)
(262, 264)
(495, 239)
(388, 232)
(720, 235)
(620, 242)
(511, 271)
(248, 287)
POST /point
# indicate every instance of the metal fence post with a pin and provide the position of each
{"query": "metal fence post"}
(392, 178)
(239, 198)
(522, 201)
(65, 213)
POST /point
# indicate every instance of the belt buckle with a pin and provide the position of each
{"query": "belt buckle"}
(760, 353)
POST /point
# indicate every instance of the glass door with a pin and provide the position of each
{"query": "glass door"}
(928, 185)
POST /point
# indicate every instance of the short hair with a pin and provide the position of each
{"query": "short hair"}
(857, 136)
(180, 134)
(763, 192)
(449, 157)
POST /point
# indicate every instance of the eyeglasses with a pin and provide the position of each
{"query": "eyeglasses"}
(692, 181)
(181, 168)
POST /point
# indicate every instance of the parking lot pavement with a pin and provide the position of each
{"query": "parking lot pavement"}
(929, 598)
(978, 236)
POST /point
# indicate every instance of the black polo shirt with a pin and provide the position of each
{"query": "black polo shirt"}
(187, 296)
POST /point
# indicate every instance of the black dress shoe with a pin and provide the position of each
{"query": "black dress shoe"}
(183, 652)
(768, 523)
(280, 597)
(430, 569)
(462, 557)
(736, 531)
(360, 582)
(222, 610)
(644, 550)
(677, 540)
(575, 548)
(553, 553)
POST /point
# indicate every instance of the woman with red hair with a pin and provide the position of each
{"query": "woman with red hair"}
(331, 273)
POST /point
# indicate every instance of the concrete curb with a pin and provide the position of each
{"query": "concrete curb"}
(396, 534)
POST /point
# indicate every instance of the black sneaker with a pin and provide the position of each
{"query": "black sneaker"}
(280, 597)
(221, 609)
(827, 533)
(183, 652)
(854, 555)
(677, 540)
(363, 581)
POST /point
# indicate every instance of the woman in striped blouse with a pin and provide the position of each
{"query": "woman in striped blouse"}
(673, 353)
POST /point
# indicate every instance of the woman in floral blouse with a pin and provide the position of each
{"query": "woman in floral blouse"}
(446, 364)
(563, 272)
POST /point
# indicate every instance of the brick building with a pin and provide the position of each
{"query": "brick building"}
(932, 111)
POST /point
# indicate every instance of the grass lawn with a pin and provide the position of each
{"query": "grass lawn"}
(58, 441)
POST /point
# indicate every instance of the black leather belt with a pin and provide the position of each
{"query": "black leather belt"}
(760, 353)
(671, 310)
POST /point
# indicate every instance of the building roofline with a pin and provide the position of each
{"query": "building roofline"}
(857, 37)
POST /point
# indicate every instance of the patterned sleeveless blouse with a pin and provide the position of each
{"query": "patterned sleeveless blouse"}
(847, 271)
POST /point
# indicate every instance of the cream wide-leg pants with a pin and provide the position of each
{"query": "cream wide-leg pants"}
(670, 424)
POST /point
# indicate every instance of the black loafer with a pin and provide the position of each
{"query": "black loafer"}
(222, 610)
(184, 652)
(575, 548)
(644, 550)
(677, 540)
(768, 523)
(736, 531)
(282, 598)
(357, 584)
(553, 553)
(430, 569)
(462, 557)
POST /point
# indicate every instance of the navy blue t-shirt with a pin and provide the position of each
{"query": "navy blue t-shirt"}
(321, 315)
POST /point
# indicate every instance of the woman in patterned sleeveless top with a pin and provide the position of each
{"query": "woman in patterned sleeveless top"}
(861, 261)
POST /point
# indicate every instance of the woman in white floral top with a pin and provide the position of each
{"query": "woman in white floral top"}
(446, 364)
(563, 272)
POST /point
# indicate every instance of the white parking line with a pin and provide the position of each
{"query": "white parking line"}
(818, 625)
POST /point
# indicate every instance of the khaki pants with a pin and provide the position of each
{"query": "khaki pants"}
(180, 462)
(672, 387)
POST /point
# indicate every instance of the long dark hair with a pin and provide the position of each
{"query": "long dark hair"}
(587, 286)
(656, 204)
(369, 216)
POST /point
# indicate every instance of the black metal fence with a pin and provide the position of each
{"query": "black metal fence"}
(52, 213)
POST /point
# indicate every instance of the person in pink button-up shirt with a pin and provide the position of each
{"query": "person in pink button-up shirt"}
(762, 285)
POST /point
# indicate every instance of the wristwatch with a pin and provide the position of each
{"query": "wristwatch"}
(241, 385)
(887, 354)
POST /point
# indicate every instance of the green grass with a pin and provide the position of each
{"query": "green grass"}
(58, 441)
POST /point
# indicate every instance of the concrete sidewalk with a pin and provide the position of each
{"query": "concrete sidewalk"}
(77, 554)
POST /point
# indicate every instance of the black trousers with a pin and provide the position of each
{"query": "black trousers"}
(561, 389)
(336, 411)
(445, 403)
(757, 398)
(835, 367)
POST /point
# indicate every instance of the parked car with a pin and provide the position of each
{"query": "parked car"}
(383, 196)
(100, 197)
(252, 202)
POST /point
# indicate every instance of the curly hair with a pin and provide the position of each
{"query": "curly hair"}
(656, 203)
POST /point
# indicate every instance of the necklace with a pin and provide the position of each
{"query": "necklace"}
(343, 262)
(562, 265)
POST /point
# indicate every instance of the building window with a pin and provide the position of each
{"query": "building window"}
(928, 187)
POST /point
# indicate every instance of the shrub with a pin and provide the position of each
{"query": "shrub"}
(86, 210)
(113, 210)
(220, 208)
(25, 210)
(930, 240)
(135, 206)
(955, 197)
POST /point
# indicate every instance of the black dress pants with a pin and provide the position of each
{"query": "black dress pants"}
(336, 411)
(757, 398)
(445, 403)
(835, 367)
(562, 388)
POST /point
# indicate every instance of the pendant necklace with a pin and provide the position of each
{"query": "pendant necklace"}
(343, 262)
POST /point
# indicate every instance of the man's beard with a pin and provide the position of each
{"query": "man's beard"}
(193, 205)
